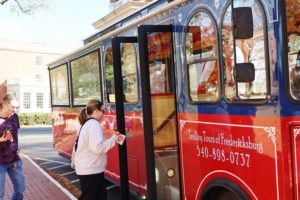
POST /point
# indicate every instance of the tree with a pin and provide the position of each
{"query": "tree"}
(27, 7)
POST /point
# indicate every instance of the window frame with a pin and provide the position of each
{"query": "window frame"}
(38, 101)
(286, 62)
(100, 78)
(66, 64)
(267, 61)
(23, 104)
(136, 75)
(38, 61)
(217, 57)
(106, 47)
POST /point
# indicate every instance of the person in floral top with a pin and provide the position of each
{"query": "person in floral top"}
(10, 162)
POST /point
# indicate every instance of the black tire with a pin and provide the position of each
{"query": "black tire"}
(219, 193)
(227, 195)
(223, 189)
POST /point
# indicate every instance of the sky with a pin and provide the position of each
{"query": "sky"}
(65, 22)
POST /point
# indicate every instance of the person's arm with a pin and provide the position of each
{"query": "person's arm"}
(97, 141)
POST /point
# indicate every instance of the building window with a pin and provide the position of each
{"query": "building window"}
(39, 100)
(38, 60)
(26, 100)
(38, 77)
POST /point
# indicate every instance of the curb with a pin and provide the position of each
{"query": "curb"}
(64, 190)
(36, 126)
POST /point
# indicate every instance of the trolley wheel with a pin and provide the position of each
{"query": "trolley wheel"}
(223, 189)
(227, 195)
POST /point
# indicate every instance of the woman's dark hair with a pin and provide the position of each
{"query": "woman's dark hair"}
(92, 105)
(82, 116)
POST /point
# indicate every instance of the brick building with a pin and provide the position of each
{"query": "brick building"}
(23, 72)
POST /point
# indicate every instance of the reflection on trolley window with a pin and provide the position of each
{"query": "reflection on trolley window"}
(202, 61)
(293, 32)
(250, 50)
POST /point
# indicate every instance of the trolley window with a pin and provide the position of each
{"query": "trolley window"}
(85, 78)
(128, 55)
(251, 50)
(201, 58)
(293, 31)
(160, 61)
(59, 85)
(109, 75)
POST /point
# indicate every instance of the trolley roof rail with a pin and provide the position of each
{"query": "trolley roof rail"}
(121, 29)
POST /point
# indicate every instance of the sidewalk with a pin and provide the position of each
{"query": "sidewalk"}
(38, 184)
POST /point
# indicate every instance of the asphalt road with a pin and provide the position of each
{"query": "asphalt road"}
(37, 143)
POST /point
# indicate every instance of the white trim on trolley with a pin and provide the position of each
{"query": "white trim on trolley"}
(226, 172)
(296, 133)
(270, 130)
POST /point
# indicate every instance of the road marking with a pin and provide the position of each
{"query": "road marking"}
(111, 187)
(39, 158)
(35, 137)
(57, 167)
(43, 163)
(68, 173)
(75, 181)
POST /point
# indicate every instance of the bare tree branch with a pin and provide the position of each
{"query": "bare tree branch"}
(3, 2)
(27, 7)
(26, 11)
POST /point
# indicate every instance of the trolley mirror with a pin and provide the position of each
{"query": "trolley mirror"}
(243, 23)
(245, 72)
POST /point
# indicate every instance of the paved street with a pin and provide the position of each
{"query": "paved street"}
(37, 144)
